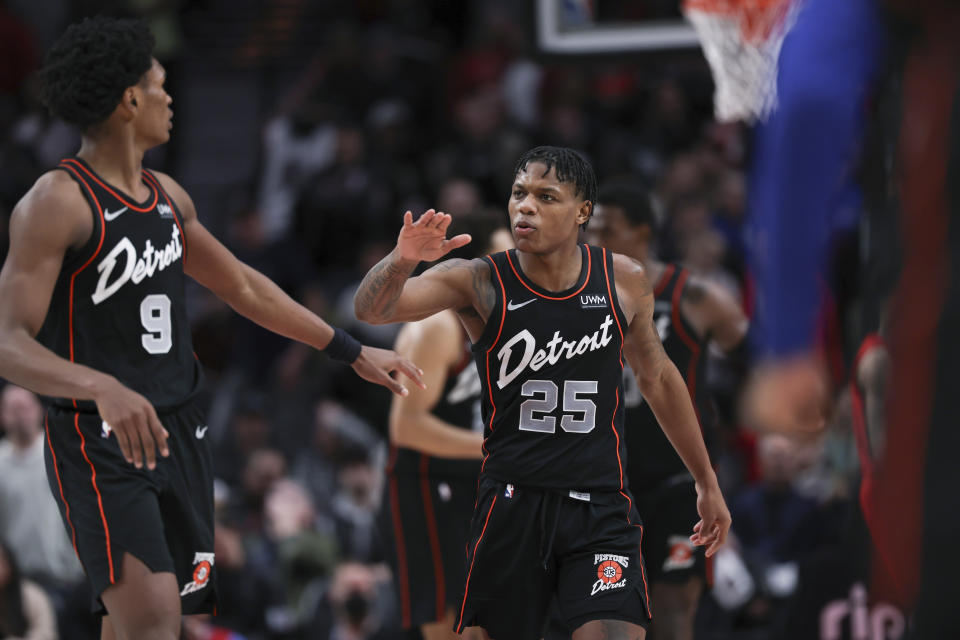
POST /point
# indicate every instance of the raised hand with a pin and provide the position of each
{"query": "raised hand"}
(376, 365)
(426, 239)
(134, 423)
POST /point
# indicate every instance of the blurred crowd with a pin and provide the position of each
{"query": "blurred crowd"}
(303, 131)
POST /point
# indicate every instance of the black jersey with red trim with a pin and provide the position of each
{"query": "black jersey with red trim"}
(652, 458)
(118, 305)
(459, 406)
(552, 374)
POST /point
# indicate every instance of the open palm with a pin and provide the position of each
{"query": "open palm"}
(426, 239)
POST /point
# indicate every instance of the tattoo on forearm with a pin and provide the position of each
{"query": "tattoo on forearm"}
(381, 288)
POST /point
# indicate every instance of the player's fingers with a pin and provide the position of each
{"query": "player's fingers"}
(457, 241)
(408, 219)
(443, 221)
(136, 448)
(412, 371)
(146, 440)
(385, 379)
(425, 220)
(695, 538)
(125, 447)
(158, 433)
(715, 544)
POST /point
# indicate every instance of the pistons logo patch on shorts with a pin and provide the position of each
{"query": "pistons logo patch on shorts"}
(202, 569)
(679, 554)
(609, 572)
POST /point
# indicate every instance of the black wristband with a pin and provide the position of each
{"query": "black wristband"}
(343, 347)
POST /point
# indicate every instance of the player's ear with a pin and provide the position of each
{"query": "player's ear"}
(585, 211)
(128, 103)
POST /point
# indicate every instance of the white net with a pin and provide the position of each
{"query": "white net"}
(741, 42)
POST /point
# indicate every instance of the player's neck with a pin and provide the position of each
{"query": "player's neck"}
(554, 271)
(117, 159)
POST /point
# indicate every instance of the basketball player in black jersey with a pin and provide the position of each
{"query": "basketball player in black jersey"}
(550, 324)
(436, 436)
(689, 314)
(92, 314)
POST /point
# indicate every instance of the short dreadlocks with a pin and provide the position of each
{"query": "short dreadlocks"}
(570, 165)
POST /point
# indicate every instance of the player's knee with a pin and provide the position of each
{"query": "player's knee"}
(149, 622)
(674, 609)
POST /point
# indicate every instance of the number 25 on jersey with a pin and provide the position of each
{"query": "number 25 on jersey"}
(544, 396)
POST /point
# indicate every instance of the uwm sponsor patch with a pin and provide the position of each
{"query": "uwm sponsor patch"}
(609, 572)
(593, 301)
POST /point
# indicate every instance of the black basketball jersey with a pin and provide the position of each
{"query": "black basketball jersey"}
(459, 406)
(118, 305)
(652, 458)
(552, 373)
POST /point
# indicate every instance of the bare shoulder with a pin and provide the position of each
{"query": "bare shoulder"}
(439, 334)
(56, 208)
(630, 272)
(178, 193)
(633, 287)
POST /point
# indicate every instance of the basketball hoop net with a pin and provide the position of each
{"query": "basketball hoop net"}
(741, 40)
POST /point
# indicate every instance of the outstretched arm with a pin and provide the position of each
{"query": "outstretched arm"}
(254, 296)
(389, 294)
(663, 388)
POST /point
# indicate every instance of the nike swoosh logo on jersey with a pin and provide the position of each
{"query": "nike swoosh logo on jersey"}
(201, 431)
(514, 307)
(112, 215)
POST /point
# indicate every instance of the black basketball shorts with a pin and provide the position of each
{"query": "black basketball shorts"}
(164, 517)
(527, 546)
(669, 512)
(430, 519)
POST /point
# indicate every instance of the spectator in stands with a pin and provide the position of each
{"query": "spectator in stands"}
(25, 610)
(29, 518)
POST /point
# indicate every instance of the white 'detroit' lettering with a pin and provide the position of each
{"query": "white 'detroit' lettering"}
(556, 349)
(152, 260)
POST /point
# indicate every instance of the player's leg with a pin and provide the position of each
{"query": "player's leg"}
(602, 586)
(674, 609)
(610, 630)
(676, 569)
(511, 573)
(141, 605)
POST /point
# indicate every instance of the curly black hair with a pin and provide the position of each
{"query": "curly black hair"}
(88, 68)
(571, 166)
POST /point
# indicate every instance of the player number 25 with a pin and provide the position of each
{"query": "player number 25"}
(543, 396)
(155, 318)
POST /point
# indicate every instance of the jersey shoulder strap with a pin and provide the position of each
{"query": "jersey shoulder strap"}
(89, 249)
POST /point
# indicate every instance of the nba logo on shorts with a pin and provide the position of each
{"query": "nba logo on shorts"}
(509, 492)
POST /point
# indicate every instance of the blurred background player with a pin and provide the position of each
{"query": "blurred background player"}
(437, 436)
(691, 315)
